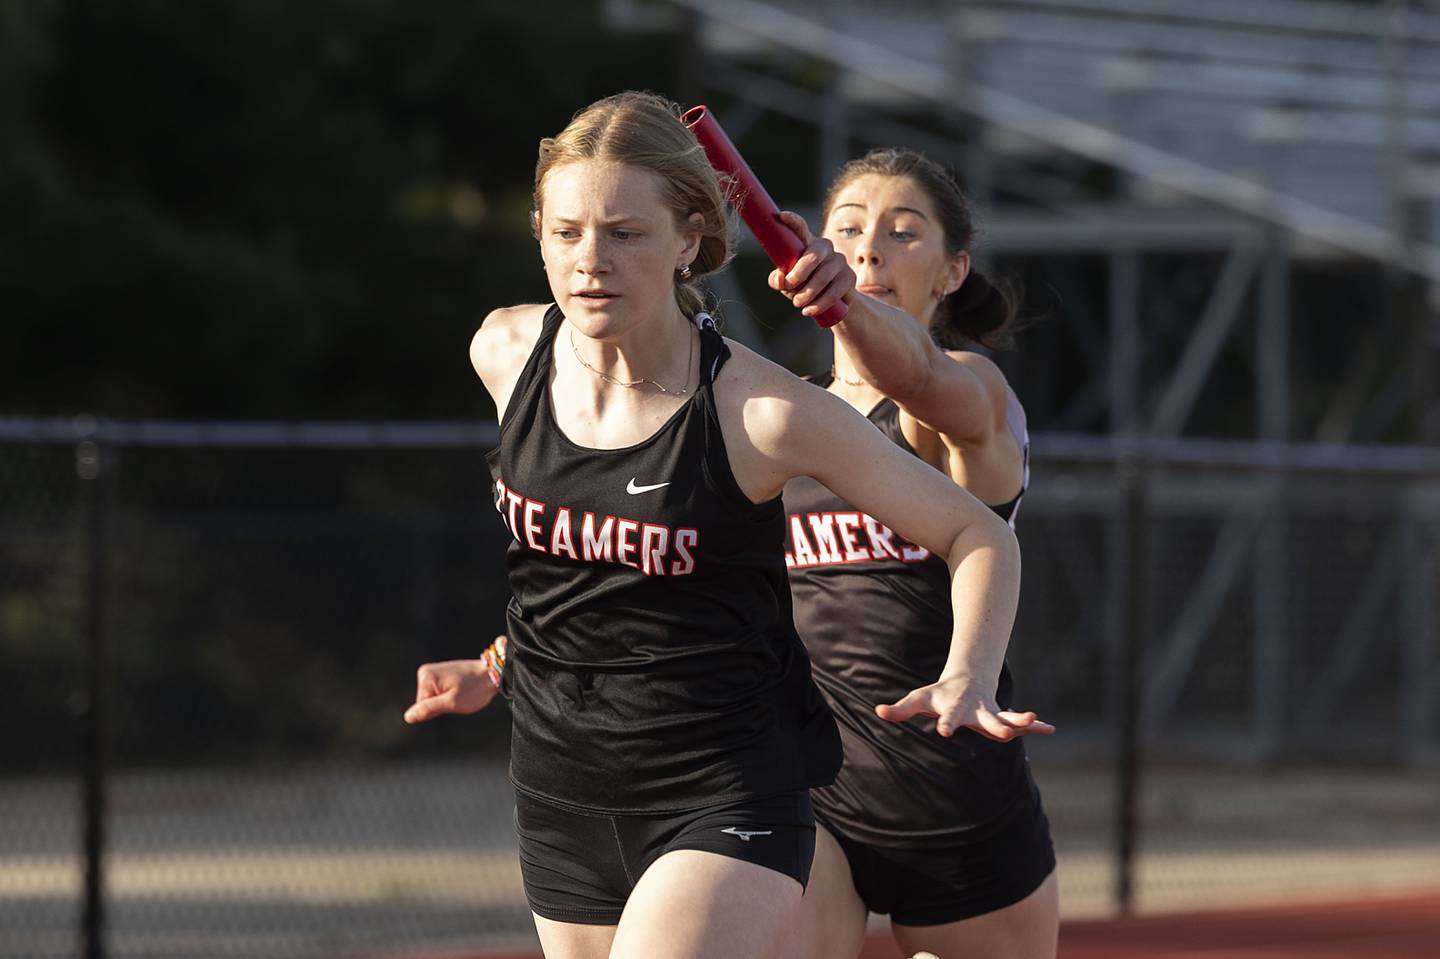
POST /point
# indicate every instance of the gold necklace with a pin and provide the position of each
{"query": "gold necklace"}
(835, 375)
(631, 384)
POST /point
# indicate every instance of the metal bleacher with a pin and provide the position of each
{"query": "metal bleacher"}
(1233, 208)
(1324, 102)
(1279, 137)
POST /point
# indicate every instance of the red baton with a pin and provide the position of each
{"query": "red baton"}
(756, 208)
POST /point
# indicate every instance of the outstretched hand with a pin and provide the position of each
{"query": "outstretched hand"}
(956, 704)
(456, 686)
(820, 278)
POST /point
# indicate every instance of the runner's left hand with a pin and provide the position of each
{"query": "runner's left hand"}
(957, 703)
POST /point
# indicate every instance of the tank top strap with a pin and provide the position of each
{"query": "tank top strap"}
(536, 371)
(713, 351)
(713, 355)
(1015, 418)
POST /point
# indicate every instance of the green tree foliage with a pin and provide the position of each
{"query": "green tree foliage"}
(266, 208)
(276, 209)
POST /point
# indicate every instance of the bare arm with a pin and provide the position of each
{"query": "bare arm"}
(499, 349)
(498, 352)
(893, 352)
(899, 359)
(456, 686)
(778, 427)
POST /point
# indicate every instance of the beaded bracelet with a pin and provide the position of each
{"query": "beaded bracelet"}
(494, 658)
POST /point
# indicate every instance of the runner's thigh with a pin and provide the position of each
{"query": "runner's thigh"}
(700, 905)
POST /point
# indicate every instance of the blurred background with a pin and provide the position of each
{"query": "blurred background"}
(243, 247)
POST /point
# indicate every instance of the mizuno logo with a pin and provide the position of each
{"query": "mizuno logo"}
(632, 489)
(744, 834)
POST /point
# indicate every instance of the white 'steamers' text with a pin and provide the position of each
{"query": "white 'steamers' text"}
(653, 548)
(839, 538)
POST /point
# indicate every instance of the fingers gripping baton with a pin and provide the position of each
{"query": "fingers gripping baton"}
(749, 198)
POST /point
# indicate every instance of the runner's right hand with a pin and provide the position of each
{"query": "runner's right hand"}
(458, 686)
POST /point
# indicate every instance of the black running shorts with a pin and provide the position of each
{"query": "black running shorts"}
(944, 884)
(581, 867)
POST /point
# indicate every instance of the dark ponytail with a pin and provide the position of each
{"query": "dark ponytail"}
(982, 310)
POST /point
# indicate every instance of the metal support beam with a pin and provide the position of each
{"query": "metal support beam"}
(743, 115)
(1082, 573)
(777, 96)
(1089, 337)
(1125, 343)
(1272, 344)
(1081, 641)
(1337, 424)
(934, 83)
(798, 103)
(1406, 292)
(1131, 480)
(1195, 618)
(834, 124)
(1084, 409)
(1421, 635)
(1386, 407)
(1271, 596)
(1216, 321)
(1270, 609)
(965, 68)
(1351, 647)
(1086, 406)
(1086, 230)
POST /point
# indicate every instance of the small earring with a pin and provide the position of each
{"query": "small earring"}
(686, 274)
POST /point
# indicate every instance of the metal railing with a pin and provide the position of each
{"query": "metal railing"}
(229, 615)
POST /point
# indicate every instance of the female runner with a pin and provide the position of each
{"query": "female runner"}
(944, 833)
(666, 729)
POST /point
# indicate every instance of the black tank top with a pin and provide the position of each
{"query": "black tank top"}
(653, 661)
(874, 611)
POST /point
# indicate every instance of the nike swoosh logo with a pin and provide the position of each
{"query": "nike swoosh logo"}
(745, 834)
(632, 489)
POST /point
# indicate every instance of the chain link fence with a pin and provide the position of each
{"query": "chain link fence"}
(210, 632)
(1241, 646)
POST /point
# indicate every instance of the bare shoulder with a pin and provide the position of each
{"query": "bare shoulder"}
(985, 370)
(768, 396)
(748, 368)
(771, 419)
(503, 343)
(499, 349)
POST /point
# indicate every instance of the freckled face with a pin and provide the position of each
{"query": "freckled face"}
(887, 229)
(611, 246)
